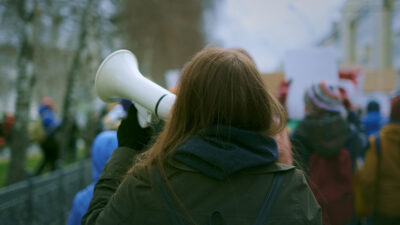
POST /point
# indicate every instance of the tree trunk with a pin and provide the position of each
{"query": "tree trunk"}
(25, 80)
(68, 108)
(92, 61)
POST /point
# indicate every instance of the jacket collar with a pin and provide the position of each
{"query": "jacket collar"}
(269, 168)
(220, 151)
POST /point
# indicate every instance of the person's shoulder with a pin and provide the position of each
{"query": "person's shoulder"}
(140, 177)
(144, 175)
(297, 189)
(268, 170)
(295, 178)
(280, 167)
(291, 175)
(123, 157)
(296, 204)
(299, 176)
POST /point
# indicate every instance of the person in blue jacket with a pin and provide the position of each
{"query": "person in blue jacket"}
(50, 145)
(373, 120)
(103, 146)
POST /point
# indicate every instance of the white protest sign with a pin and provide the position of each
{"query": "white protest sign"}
(304, 68)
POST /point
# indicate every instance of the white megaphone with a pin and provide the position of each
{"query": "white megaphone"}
(118, 77)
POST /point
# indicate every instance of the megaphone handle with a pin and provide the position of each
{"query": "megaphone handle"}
(158, 103)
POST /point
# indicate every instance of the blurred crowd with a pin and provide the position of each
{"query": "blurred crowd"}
(354, 179)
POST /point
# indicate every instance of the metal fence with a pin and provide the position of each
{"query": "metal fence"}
(43, 200)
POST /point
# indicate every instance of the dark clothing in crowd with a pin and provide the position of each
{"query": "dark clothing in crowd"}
(222, 170)
(327, 134)
(326, 145)
(378, 219)
(50, 150)
(395, 109)
(50, 145)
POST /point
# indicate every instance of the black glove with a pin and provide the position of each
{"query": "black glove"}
(130, 134)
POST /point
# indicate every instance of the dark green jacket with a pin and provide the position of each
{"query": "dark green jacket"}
(131, 199)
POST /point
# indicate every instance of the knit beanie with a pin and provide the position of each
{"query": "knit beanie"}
(395, 107)
(323, 97)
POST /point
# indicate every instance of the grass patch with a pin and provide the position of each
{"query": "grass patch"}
(31, 164)
(33, 161)
(3, 172)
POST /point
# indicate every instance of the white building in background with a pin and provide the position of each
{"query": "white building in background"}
(396, 36)
(368, 34)
(366, 47)
(333, 40)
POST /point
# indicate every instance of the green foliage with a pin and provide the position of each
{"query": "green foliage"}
(3, 172)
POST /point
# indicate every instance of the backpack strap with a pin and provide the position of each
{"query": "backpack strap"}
(378, 145)
(378, 166)
(172, 208)
(262, 216)
(270, 199)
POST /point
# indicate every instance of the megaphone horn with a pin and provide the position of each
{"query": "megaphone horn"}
(119, 77)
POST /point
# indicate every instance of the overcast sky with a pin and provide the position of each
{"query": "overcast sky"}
(268, 28)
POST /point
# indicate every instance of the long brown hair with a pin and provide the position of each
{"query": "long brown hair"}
(217, 86)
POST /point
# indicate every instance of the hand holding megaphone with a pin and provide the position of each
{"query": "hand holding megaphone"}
(143, 116)
(119, 77)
